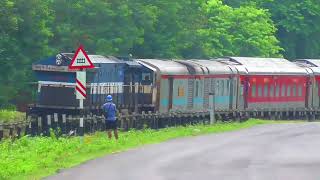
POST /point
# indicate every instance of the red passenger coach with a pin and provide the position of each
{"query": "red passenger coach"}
(276, 89)
(272, 83)
(313, 67)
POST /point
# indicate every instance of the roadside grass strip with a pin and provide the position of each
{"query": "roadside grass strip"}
(37, 157)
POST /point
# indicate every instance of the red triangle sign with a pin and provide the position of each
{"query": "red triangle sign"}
(80, 60)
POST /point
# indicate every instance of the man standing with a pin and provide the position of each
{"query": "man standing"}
(109, 112)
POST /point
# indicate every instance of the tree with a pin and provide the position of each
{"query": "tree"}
(298, 24)
(8, 51)
(34, 29)
(243, 31)
(23, 37)
(104, 27)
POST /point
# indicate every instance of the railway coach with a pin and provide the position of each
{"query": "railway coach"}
(313, 67)
(271, 84)
(169, 91)
(213, 77)
(184, 85)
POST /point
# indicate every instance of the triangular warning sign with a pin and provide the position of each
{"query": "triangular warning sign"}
(80, 60)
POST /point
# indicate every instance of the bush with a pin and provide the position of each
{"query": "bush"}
(9, 107)
(11, 116)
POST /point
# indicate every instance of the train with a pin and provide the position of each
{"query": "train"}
(241, 86)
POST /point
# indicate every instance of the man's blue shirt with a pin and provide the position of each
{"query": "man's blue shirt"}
(109, 110)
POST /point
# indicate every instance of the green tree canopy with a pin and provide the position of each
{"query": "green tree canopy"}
(243, 31)
(298, 24)
(24, 36)
(34, 29)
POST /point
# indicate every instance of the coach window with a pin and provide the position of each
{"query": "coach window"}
(271, 90)
(222, 88)
(234, 88)
(283, 90)
(253, 90)
(265, 90)
(201, 88)
(197, 88)
(227, 88)
(180, 91)
(259, 90)
(299, 90)
(294, 90)
(277, 90)
(216, 89)
(225, 93)
(219, 88)
(213, 85)
(289, 90)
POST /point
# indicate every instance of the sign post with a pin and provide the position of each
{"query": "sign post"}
(211, 106)
(79, 62)
(81, 93)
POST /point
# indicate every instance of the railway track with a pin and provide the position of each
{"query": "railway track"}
(67, 125)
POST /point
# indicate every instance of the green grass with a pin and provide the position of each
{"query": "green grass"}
(33, 158)
(11, 116)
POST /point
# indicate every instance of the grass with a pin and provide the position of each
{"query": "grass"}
(37, 157)
(11, 116)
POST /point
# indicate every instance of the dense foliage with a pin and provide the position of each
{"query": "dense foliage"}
(11, 116)
(32, 158)
(298, 24)
(34, 29)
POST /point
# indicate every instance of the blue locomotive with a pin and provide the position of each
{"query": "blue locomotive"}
(125, 79)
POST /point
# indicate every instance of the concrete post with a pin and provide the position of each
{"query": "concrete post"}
(212, 107)
(48, 124)
(1, 132)
(81, 129)
(64, 124)
(39, 125)
(55, 120)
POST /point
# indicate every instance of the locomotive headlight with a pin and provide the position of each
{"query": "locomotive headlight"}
(59, 59)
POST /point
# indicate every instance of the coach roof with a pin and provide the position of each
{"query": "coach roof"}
(262, 66)
(214, 67)
(166, 67)
(312, 64)
(97, 59)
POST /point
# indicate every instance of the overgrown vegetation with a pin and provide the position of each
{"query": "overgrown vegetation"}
(11, 116)
(36, 157)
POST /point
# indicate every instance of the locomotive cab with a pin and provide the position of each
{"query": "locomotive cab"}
(137, 89)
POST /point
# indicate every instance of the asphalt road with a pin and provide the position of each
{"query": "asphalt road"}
(268, 152)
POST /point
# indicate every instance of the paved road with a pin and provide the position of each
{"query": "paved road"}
(268, 152)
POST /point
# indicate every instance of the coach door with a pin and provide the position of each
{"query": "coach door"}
(308, 84)
(245, 92)
(230, 92)
(242, 87)
(170, 93)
